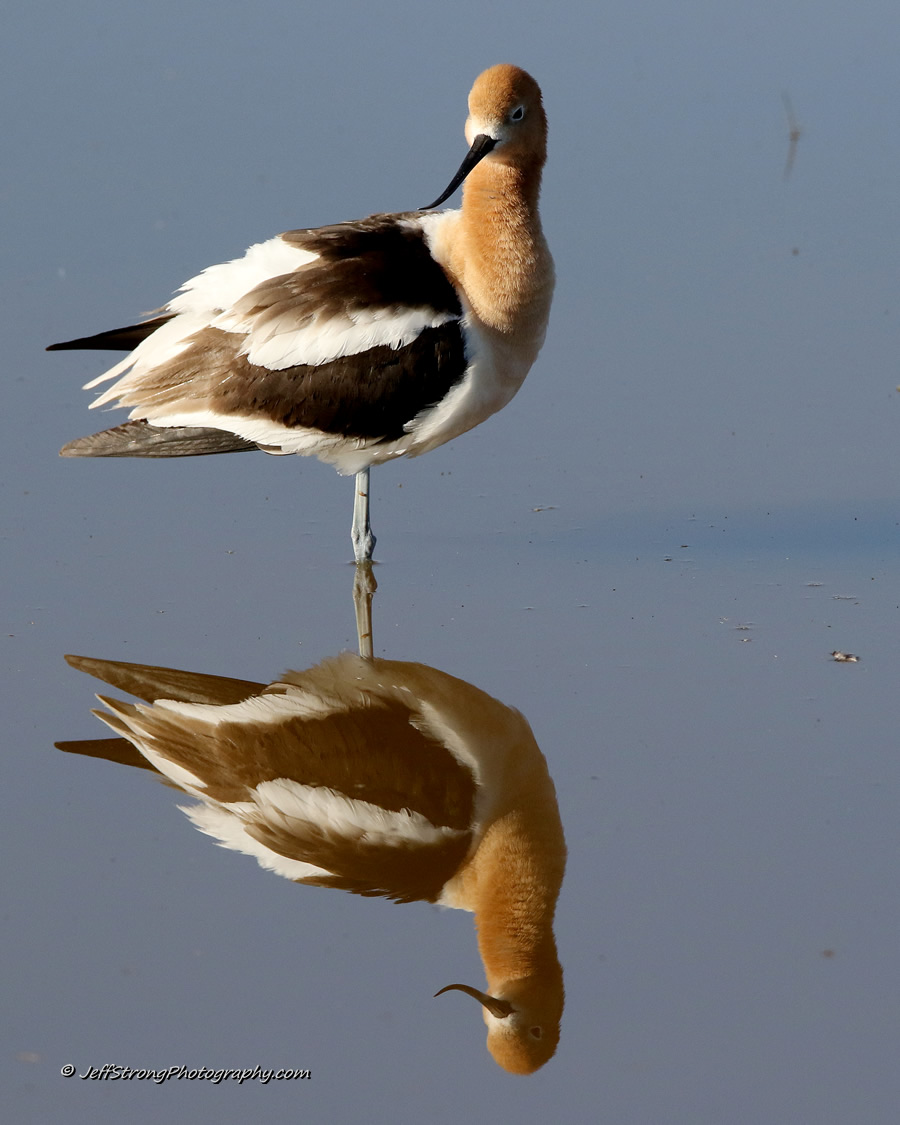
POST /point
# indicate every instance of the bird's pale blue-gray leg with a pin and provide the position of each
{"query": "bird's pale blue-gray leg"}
(361, 532)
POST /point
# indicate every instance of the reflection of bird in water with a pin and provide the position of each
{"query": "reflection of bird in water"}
(360, 342)
(377, 777)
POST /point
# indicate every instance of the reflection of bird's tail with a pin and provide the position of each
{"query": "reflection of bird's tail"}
(151, 683)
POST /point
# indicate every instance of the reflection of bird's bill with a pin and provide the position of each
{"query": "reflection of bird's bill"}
(499, 1008)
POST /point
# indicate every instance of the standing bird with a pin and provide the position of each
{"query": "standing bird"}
(358, 342)
(379, 777)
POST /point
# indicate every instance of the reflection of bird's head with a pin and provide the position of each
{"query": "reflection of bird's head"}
(522, 1018)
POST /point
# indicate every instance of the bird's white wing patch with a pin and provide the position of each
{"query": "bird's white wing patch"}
(219, 287)
(281, 343)
(161, 346)
(265, 709)
(283, 800)
(284, 803)
(227, 829)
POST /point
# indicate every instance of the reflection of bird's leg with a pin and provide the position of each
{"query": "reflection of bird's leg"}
(364, 587)
(794, 134)
(361, 532)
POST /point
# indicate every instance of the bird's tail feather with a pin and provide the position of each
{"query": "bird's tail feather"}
(140, 439)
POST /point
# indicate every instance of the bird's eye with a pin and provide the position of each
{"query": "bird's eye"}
(518, 113)
(535, 1032)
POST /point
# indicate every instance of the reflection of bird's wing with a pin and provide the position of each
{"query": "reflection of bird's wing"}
(151, 683)
(317, 836)
(111, 750)
(325, 777)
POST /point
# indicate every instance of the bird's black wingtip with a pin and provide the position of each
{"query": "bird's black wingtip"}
(118, 340)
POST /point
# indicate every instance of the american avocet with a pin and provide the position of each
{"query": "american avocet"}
(359, 342)
(377, 777)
